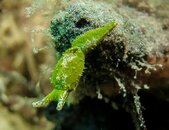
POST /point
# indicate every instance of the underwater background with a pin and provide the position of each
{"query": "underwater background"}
(125, 81)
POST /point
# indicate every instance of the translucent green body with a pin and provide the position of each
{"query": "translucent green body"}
(70, 66)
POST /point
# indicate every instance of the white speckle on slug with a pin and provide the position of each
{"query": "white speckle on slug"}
(40, 103)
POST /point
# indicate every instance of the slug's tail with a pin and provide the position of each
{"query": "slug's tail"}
(55, 95)
(40, 103)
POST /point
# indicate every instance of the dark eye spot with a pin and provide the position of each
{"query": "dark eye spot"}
(82, 23)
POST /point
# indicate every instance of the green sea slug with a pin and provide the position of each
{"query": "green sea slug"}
(70, 67)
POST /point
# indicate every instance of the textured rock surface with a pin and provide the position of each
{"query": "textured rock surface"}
(83, 16)
(123, 52)
(124, 62)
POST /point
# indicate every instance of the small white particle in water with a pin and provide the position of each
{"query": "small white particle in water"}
(99, 95)
(122, 87)
(146, 86)
(28, 11)
(35, 50)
